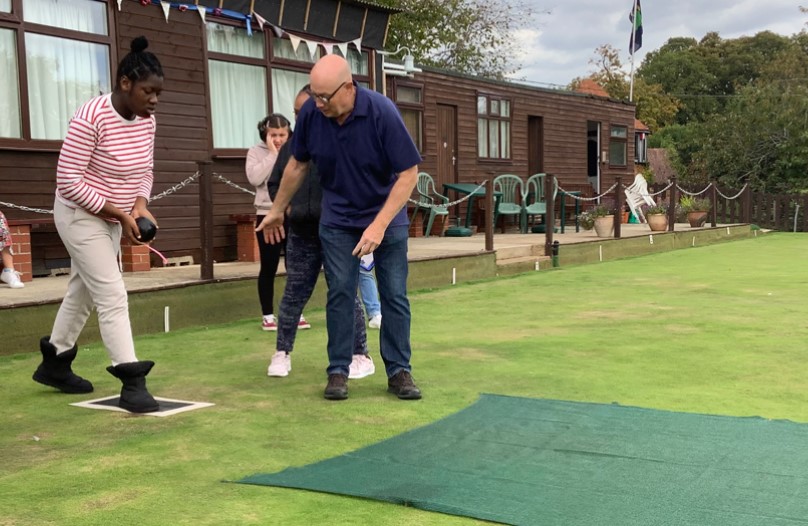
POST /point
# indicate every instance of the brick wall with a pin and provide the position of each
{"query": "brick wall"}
(247, 243)
(21, 246)
(135, 258)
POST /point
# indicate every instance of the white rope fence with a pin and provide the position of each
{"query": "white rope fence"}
(422, 203)
(579, 198)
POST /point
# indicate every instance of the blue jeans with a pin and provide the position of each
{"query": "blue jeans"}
(369, 292)
(342, 276)
(304, 257)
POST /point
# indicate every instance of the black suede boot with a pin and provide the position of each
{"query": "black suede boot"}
(55, 370)
(134, 396)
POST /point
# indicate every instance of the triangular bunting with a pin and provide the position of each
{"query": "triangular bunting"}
(119, 4)
(312, 47)
(248, 21)
(277, 30)
(202, 10)
(357, 43)
(261, 20)
(343, 48)
(329, 48)
(166, 8)
(295, 42)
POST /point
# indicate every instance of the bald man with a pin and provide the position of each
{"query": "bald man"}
(368, 166)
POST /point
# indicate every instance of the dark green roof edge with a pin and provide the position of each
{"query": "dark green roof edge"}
(379, 7)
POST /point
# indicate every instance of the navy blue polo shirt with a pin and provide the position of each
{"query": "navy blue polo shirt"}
(358, 161)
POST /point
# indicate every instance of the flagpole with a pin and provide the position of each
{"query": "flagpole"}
(633, 45)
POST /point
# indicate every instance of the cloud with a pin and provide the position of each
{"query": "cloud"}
(560, 47)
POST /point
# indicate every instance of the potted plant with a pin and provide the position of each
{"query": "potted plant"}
(603, 213)
(695, 208)
(586, 220)
(657, 217)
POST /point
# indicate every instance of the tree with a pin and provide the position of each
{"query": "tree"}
(469, 36)
(762, 138)
(706, 74)
(655, 108)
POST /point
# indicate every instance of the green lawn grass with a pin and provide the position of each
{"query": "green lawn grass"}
(718, 329)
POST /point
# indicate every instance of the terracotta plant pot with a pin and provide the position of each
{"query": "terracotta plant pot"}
(696, 219)
(657, 222)
(604, 226)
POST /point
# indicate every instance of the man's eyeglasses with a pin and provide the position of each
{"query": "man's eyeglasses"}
(325, 99)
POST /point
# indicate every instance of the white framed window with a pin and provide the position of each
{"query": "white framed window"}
(493, 127)
(237, 75)
(10, 124)
(78, 15)
(357, 60)
(66, 62)
(286, 85)
(62, 75)
(231, 40)
(410, 101)
(618, 136)
(640, 147)
(282, 48)
(238, 94)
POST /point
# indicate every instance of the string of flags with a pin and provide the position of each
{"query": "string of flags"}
(279, 32)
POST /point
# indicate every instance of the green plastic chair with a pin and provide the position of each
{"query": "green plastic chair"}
(511, 202)
(429, 200)
(534, 198)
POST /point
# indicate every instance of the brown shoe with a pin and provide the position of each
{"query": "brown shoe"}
(337, 388)
(402, 386)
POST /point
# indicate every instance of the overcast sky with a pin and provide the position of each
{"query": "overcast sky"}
(561, 44)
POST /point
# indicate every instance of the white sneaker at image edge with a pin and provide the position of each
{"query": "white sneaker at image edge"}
(12, 278)
(375, 322)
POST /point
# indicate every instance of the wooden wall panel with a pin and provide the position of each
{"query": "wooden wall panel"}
(564, 114)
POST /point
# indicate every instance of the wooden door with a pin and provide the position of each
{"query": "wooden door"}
(535, 149)
(446, 136)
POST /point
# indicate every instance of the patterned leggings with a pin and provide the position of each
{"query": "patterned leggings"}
(304, 258)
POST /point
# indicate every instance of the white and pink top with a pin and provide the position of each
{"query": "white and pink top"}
(105, 158)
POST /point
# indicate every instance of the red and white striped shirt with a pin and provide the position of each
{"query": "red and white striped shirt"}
(105, 158)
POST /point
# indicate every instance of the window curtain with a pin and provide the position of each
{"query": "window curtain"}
(79, 15)
(356, 60)
(62, 75)
(505, 134)
(238, 102)
(282, 48)
(9, 89)
(412, 121)
(235, 41)
(482, 137)
(238, 92)
(285, 87)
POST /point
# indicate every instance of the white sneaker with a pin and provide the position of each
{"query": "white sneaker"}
(12, 278)
(361, 366)
(303, 324)
(281, 364)
(375, 322)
